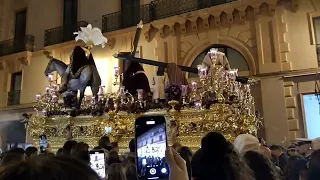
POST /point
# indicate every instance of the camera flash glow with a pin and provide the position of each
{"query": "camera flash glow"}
(150, 122)
(164, 170)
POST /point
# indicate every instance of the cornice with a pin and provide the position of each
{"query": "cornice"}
(216, 13)
(15, 62)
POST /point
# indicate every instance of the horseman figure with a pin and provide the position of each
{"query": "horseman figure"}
(79, 59)
(82, 71)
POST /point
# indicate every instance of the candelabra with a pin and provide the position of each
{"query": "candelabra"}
(48, 101)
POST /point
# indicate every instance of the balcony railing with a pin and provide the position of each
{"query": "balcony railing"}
(158, 9)
(16, 45)
(13, 98)
(120, 20)
(62, 34)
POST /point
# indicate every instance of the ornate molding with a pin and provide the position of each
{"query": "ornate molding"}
(206, 23)
(14, 63)
(111, 43)
(230, 12)
(3, 65)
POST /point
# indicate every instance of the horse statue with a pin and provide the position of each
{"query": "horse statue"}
(88, 76)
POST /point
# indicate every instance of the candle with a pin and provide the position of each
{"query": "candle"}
(202, 71)
(55, 87)
(194, 86)
(140, 94)
(50, 77)
(100, 98)
(44, 112)
(247, 88)
(101, 90)
(116, 71)
(54, 98)
(93, 100)
(122, 92)
(233, 74)
(38, 96)
(47, 90)
(184, 90)
(198, 105)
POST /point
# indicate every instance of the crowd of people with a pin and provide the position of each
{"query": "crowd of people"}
(247, 158)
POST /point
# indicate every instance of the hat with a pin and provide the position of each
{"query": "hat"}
(246, 142)
(316, 144)
(303, 141)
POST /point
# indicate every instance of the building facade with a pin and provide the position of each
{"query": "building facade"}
(271, 40)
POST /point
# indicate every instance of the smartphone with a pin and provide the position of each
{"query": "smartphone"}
(151, 144)
(43, 143)
(97, 162)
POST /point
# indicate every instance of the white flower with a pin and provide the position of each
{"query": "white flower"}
(91, 35)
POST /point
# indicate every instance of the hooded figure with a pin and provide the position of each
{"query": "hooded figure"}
(78, 60)
(176, 75)
(134, 78)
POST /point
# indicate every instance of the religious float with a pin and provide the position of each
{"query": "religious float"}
(217, 101)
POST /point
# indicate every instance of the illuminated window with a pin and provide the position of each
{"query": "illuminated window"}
(236, 59)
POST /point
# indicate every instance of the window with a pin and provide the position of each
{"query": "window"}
(130, 13)
(20, 30)
(14, 94)
(316, 25)
(236, 59)
(70, 18)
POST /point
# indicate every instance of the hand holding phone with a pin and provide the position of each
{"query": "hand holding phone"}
(177, 165)
(43, 143)
(97, 162)
(151, 144)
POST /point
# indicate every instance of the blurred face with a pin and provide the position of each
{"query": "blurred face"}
(292, 152)
(276, 153)
(303, 149)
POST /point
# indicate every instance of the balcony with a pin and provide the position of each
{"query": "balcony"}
(16, 45)
(13, 98)
(62, 34)
(158, 9)
(120, 20)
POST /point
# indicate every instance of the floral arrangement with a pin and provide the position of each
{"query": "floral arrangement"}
(91, 36)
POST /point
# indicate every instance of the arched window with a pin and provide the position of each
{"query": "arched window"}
(236, 60)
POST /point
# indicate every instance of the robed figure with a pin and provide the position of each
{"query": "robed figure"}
(134, 78)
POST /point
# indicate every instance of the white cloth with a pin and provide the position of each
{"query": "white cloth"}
(246, 142)
(158, 83)
(221, 60)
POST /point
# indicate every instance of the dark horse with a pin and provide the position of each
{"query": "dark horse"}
(89, 77)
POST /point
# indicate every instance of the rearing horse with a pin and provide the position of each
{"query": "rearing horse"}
(89, 76)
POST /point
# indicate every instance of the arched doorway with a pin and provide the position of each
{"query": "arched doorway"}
(236, 59)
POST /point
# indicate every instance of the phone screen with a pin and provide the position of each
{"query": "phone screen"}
(151, 144)
(97, 162)
(43, 143)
